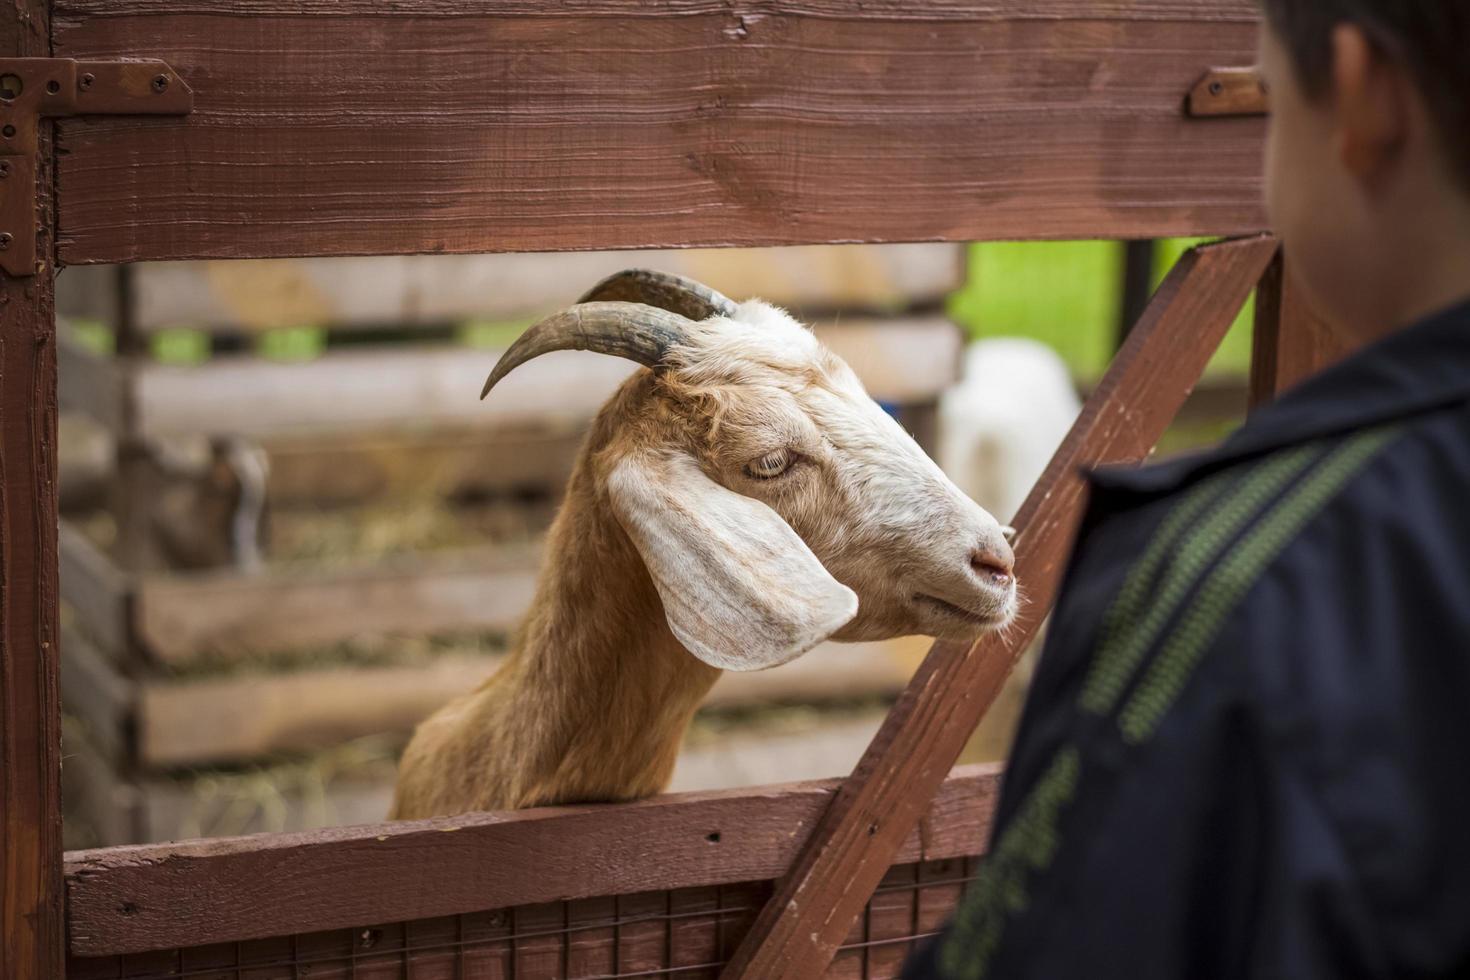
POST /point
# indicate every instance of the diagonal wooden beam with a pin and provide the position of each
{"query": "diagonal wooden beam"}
(854, 843)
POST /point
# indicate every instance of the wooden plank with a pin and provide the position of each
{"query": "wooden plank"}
(406, 291)
(93, 690)
(132, 899)
(1291, 342)
(98, 592)
(854, 844)
(342, 127)
(88, 382)
(347, 469)
(371, 391)
(230, 615)
(31, 915)
(906, 361)
(420, 388)
(244, 717)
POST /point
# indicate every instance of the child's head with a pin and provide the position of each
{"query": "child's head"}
(1368, 159)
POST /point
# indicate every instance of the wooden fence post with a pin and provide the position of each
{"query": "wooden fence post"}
(1291, 342)
(854, 843)
(30, 716)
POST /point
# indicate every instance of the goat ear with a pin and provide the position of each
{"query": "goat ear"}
(740, 589)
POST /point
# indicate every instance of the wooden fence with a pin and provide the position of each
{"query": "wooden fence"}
(344, 126)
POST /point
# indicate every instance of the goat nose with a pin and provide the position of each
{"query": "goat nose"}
(993, 562)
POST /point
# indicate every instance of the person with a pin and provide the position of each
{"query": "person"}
(1245, 750)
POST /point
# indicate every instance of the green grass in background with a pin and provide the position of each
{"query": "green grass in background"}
(292, 343)
(1066, 294)
(179, 346)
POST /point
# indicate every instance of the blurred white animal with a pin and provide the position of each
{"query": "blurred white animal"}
(998, 428)
(1000, 425)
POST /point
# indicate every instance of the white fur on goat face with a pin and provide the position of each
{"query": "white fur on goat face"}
(861, 536)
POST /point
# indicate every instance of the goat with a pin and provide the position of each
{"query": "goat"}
(734, 505)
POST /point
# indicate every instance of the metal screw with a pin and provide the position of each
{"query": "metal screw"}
(53, 86)
(1216, 88)
(4, 168)
(8, 131)
(85, 82)
(160, 82)
(5, 239)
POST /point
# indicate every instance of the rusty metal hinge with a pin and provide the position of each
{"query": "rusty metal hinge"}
(34, 87)
(1228, 92)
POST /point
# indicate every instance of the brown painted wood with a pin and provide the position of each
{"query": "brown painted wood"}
(1291, 343)
(131, 899)
(853, 846)
(357, 127)
(684, 932)
(30, 705)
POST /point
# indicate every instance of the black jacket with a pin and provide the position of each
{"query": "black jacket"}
(1246, 752)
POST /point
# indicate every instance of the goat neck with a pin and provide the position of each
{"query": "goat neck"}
(594, 700)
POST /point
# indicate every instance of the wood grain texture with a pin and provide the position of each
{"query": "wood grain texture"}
(685, 933)
(132, 899)
(326, 128)
(30, 705)
(229, 615)
(853, 846)
(1291, 342)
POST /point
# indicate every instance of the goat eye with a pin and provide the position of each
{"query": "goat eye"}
(770, 465)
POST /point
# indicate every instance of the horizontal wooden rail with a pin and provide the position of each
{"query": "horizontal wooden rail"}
(336, 127)
(243, 718)
(852, 847)
(228, 615)
(397, 291)
(411, 389)
(132, 899)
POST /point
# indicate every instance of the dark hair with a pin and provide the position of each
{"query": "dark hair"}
(1430, 38)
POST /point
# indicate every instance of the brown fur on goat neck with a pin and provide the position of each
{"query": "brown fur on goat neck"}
(578, 713)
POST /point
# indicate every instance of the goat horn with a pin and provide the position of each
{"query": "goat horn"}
(632, 330)
(665, 290)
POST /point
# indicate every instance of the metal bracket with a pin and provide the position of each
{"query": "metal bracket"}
(34, 87)
(1228, 92)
